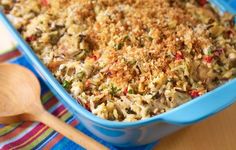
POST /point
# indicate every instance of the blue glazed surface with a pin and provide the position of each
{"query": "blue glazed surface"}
(225, 5)
(145, 131)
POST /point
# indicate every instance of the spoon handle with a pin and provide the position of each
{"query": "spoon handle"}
(68, 131)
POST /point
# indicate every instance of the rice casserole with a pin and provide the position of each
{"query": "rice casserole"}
(127, 60)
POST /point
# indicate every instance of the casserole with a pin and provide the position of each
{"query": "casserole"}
(140, 132)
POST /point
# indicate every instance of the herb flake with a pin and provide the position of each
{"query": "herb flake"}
(66, 84)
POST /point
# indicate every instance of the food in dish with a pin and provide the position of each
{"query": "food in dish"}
(129, 60)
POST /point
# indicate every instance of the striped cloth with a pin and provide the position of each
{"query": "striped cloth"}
(32, 135)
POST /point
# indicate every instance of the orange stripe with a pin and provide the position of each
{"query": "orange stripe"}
(57, 138)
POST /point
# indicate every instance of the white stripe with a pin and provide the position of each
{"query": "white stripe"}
(27, 130)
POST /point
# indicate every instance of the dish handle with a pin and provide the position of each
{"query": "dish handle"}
(203, 106)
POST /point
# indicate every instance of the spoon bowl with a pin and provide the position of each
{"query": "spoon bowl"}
(20, 90)
(20, 101)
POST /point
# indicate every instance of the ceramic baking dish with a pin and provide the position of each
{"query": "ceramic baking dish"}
(142, 132)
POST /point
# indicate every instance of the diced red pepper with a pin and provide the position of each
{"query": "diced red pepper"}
(202, 2)
(208, 59)
(87, 84)
(45, 2)
(31, 38)
(194, 93)
(94, 57)
(87, 106)
(125, 91)
(179, 56)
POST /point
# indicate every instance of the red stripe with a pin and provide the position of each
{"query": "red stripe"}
(53, 101)
(9, 55)
(33, 131)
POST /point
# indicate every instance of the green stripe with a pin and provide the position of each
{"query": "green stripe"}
(9, 128)
(45, 134)
(65, 116)
(47, 96)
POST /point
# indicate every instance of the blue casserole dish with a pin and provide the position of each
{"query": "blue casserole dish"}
(146, 131)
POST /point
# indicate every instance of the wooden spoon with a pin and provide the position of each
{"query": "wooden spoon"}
(20, 101)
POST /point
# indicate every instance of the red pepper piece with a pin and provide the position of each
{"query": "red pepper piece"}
(202, 2)
(31, 38)
(194, 93)
(45, 2)
(94, 57)
(87, 84)
(125, 91)
(179, 56)
(208, 59)
(87, 106)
